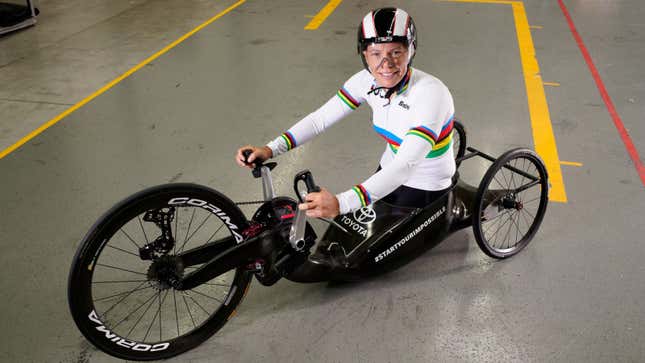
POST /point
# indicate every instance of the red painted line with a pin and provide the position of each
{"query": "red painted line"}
(631, 149)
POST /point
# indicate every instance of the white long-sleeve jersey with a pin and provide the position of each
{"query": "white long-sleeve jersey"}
(416, 122)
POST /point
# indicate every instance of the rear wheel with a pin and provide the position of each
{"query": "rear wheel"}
(510, 203)
(120, 287)
(458, 139)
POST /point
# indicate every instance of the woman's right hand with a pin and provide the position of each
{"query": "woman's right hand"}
(257, 153)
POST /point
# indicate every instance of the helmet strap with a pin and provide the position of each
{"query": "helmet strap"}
(390, 90)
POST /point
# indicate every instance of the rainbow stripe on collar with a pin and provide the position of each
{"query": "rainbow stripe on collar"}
(363, 195)
(289, 140)
(347, 98)
(406, 82)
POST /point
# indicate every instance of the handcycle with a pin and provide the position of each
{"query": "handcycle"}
(165, 269)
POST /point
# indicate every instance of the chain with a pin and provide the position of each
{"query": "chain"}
(251, 202)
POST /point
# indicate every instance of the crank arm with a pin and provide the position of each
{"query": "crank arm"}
(297, 232)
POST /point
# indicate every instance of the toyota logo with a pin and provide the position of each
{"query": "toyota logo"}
(365, 215)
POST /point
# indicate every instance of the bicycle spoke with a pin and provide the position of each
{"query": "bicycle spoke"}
(143, 229)
(122, 269)
(176, 230)
(527, 221)
(214, 284)
(116, 281)
(133, 311)
(491, 222)
(497, 231)
(124, 251)
(501, 186)
(189, 224)
(512, 184)
(508, 233)
(210, 297)
(494, 222)
(517, 229)
(130, 238)
(122, 299)
(531, 201)
(529, 213)
(122, 293)
(213, 235)
(201, 307)
(502, 170)
(155, 317)
(509, 228)
(174, 297)
(160, 333)
(141, 317)
(152, 322)
(196, 230)
(189, 313)
(497, 216)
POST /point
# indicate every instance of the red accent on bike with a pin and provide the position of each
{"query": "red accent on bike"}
(253, 230)
(287, 216)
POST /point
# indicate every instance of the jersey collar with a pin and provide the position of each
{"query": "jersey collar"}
(406, 82)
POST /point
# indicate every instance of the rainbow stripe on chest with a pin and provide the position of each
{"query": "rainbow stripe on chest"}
(440, 143)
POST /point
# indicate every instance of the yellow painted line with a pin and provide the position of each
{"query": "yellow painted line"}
(125, 75)
(536, 27)
(323, 14)
(554, 84)
(543, 136)
(570, 163)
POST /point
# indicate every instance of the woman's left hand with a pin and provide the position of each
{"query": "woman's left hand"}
(322, 204)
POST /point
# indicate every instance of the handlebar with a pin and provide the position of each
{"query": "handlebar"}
(257, 170)
(306, 177)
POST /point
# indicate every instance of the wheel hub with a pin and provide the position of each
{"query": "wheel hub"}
(165, 272)
(510, 201)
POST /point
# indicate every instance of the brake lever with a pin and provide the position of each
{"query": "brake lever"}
(297, 231)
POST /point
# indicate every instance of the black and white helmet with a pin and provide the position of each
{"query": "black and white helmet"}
(387, 25)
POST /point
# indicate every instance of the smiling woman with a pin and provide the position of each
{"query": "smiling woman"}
(412, 110)
(387, 62)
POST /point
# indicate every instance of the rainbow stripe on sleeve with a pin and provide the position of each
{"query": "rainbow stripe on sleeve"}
(289, 140)
(424, 133)
(363, 195)
(441, 143)
(347, 98)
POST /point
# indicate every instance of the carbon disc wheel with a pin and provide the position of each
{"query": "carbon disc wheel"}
(120, 287)
(510, 203)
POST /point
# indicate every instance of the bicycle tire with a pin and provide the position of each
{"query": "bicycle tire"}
(491, 205)
(99, 325)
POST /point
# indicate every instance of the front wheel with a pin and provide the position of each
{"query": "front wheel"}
(121, 285)
(510, 203)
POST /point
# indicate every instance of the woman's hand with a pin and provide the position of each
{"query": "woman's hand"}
(257, 153)
(321, 205)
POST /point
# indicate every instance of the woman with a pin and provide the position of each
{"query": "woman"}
(412, 110)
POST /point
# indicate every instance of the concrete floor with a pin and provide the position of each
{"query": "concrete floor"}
(574, 295)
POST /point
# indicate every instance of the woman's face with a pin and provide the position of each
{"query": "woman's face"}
(388, 62)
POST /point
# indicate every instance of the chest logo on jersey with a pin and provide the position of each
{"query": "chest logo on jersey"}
(404, 105)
